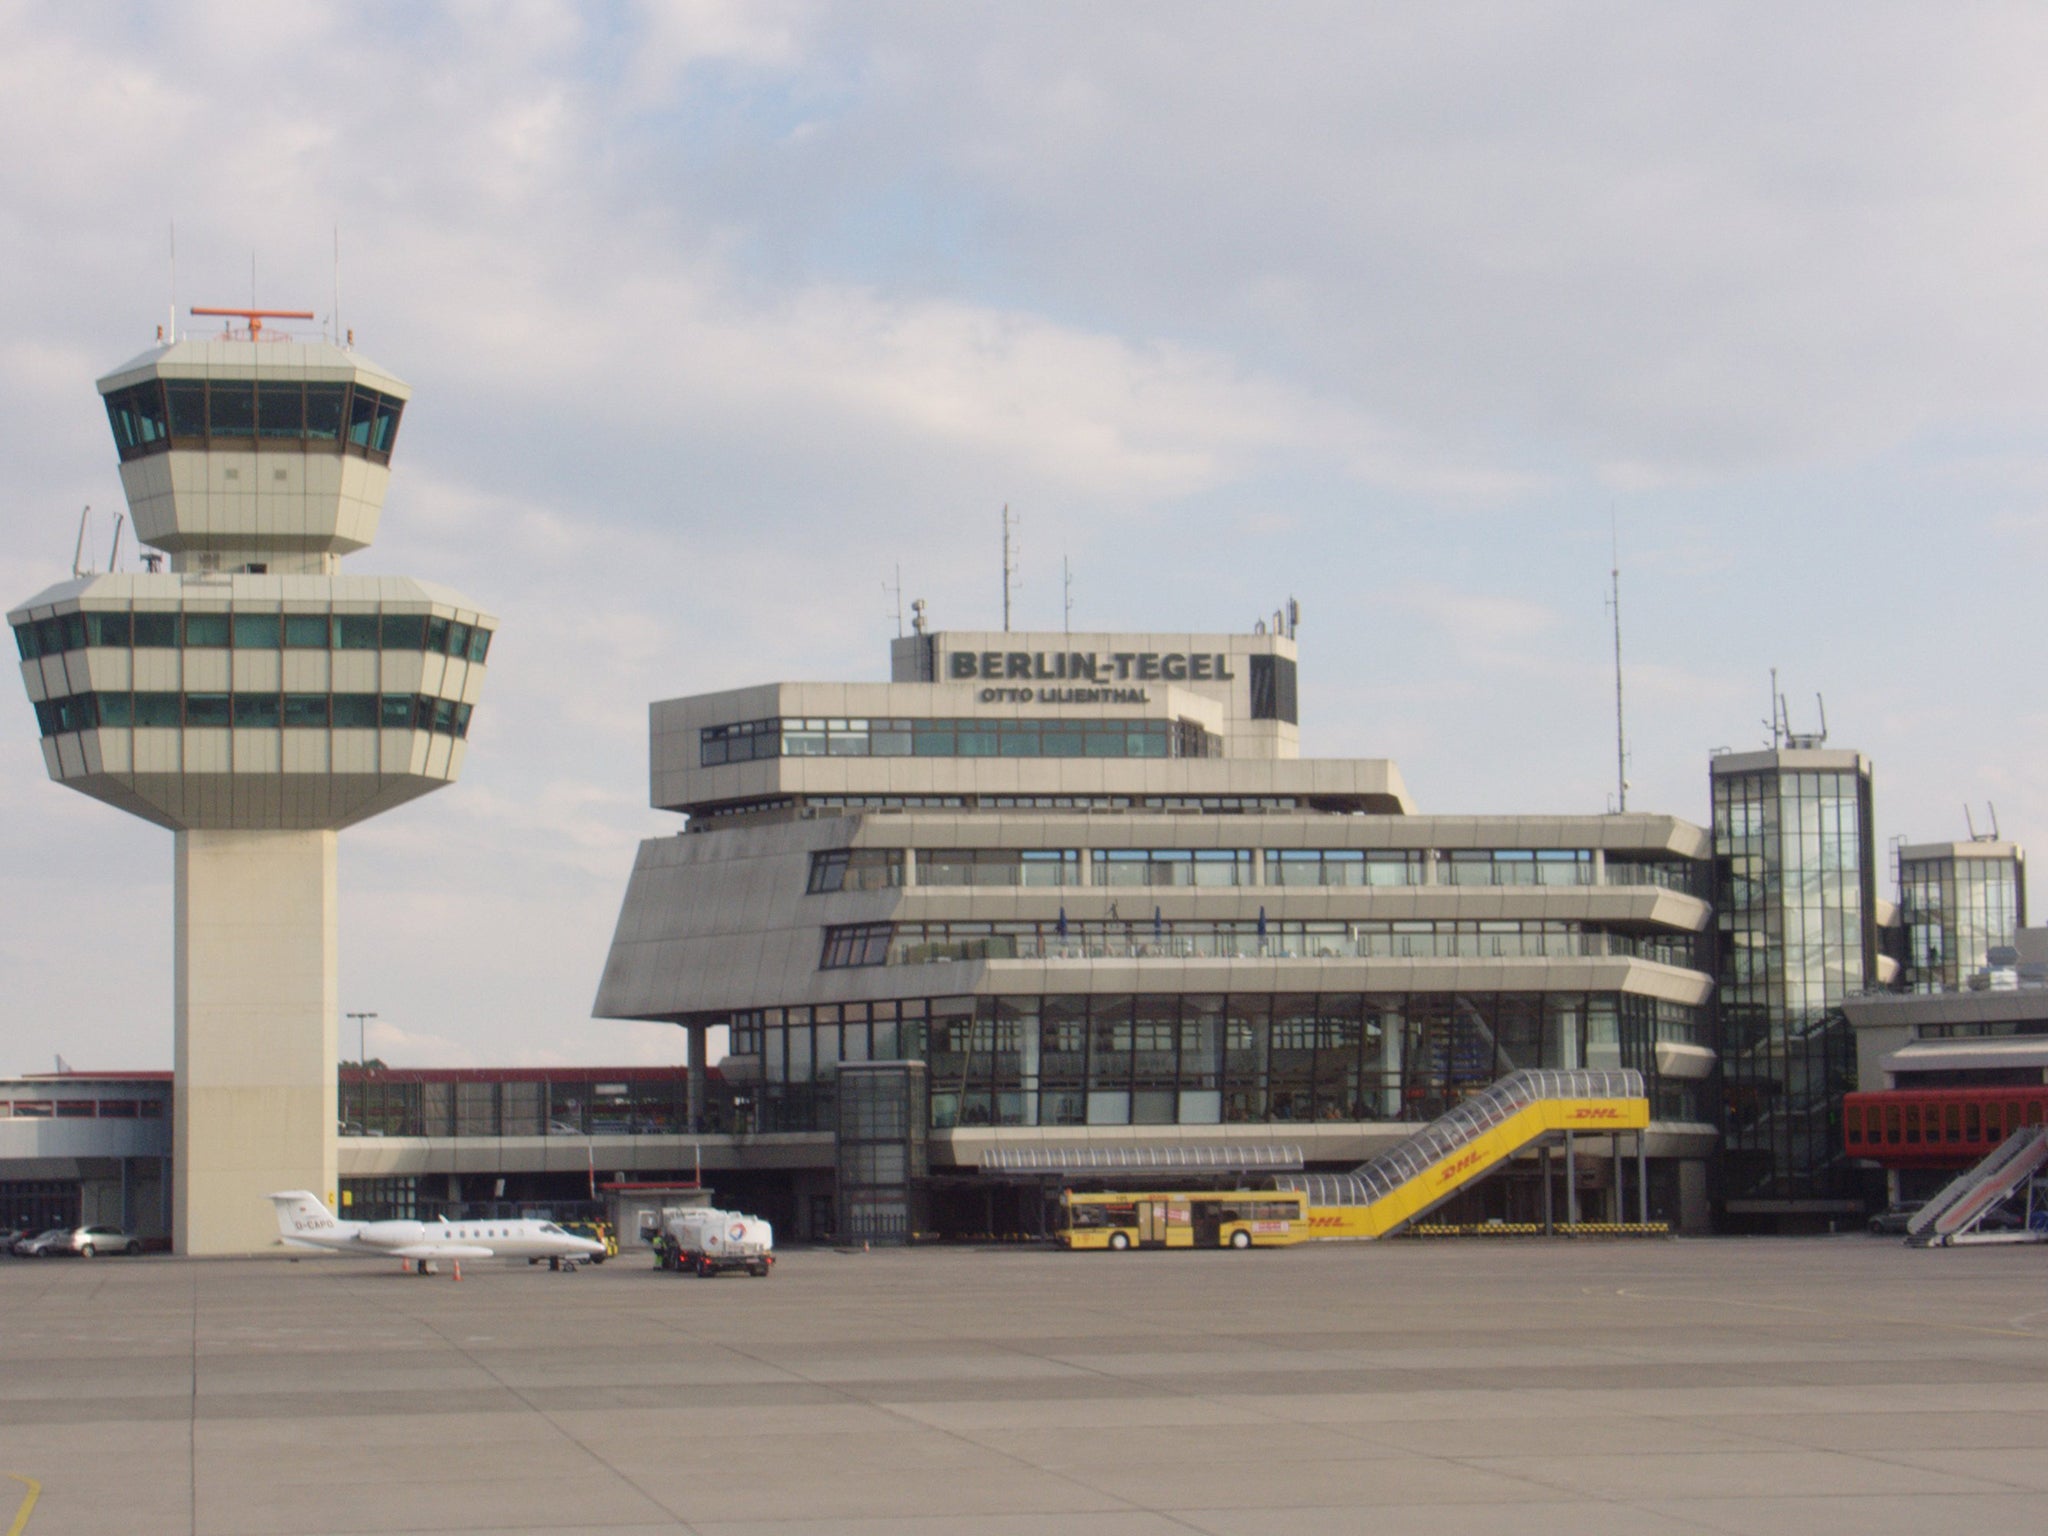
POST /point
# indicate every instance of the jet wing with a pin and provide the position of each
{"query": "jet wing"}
(439, 1251)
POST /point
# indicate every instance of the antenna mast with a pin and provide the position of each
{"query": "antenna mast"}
(1009, 567)
(1067, 594)
(1620, 730)
(897, 592)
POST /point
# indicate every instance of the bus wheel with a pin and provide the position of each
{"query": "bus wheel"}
(1240, 1239)
(1118, 1241)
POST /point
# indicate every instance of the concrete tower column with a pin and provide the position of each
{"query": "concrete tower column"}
(257, 1023)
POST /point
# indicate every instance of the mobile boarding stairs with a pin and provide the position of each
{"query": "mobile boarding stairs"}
(1958, 1214)
(1522, 1111)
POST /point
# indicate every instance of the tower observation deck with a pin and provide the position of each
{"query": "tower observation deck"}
(254, 700)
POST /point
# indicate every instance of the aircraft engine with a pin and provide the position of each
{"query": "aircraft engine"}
(393, 1234)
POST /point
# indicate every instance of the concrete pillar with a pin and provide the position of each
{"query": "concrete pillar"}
(700, 1046)
(256, 1022)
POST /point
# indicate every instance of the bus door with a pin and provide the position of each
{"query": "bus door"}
(1152, 1223)
(1207, 1226)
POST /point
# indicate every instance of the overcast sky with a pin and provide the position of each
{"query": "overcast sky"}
(718, 314)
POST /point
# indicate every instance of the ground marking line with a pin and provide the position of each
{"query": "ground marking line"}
(1781, 1306)
(28, 1504)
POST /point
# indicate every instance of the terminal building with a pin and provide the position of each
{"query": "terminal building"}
(1040, 897)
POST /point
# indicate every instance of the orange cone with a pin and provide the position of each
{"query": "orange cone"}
(458, 1269)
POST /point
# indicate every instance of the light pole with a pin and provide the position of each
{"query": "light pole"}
(362, 1037)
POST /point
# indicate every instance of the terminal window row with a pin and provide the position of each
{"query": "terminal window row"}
(254, 711)
(1155, 937)
(262, 630)
(752, 740)
(1213, 805)
(1199, 1058)
(81, 1109)
(161, 414)
(842, 869)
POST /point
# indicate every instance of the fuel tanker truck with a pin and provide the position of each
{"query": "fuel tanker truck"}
(706, 1242)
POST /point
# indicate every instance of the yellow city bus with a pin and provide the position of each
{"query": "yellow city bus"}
(1209, 1218)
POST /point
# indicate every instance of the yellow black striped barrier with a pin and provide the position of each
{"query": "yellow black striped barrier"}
(1535, 1229)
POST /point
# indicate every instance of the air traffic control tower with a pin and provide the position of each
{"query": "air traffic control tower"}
(255, 701)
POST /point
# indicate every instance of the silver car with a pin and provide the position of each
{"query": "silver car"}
(85, 1242)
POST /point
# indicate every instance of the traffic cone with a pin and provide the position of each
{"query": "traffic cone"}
(458, 1269)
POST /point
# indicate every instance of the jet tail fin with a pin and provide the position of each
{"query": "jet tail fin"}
(299, 1212)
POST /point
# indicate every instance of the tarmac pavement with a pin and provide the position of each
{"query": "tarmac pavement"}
(1478, 1388)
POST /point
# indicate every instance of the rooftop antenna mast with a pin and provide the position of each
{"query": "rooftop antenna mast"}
(1067, 594)
(337, 288)
(1620, 727)
(1009, 567)
(1777, 713)
(80, 562)
(171, 334)
(896, 591)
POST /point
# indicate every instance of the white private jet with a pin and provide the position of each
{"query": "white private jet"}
(303, 1222)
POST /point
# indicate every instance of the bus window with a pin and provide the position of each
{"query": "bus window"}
(1952, 1124)
(1973, 1128)
(1891, 1125)
(1912, 1125)
(2033, 1111)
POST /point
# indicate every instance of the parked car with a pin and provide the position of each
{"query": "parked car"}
(85, 1242)
(1893, 1221)
(36, 1246)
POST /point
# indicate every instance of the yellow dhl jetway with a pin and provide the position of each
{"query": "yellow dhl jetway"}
(1456, 1150)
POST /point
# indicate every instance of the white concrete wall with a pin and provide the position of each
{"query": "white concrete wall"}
(256, 1022)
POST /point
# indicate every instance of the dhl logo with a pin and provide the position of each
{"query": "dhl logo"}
(1458, 1165)
(1596, 1112)
(1326, 1223)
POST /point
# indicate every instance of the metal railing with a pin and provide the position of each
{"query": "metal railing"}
(1459, 1128)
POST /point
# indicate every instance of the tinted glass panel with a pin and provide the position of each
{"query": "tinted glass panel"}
(256, 710)
(206, 629)
(156, 630)
(188, 409)
(156, 709)
(325, 404)
(25, 641)
(280, 410)
(206, 709)
(385, 433)
(108, 629)
(355, 711)
(479, 643)
(305, 709)
(397, 711)
(405, 631)
(231, 410)
(115, 709)
(437, 635)
(256, 631)
(362, 417)
(458, 640)
(355, 632)
(305, 631)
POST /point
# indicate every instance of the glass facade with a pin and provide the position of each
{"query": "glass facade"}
(270, 414)
(1203, 1059)
(1142, 937)
(252, 629)
(748, 741)
(1795, 907)
(254, 711)
(1956, 909)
